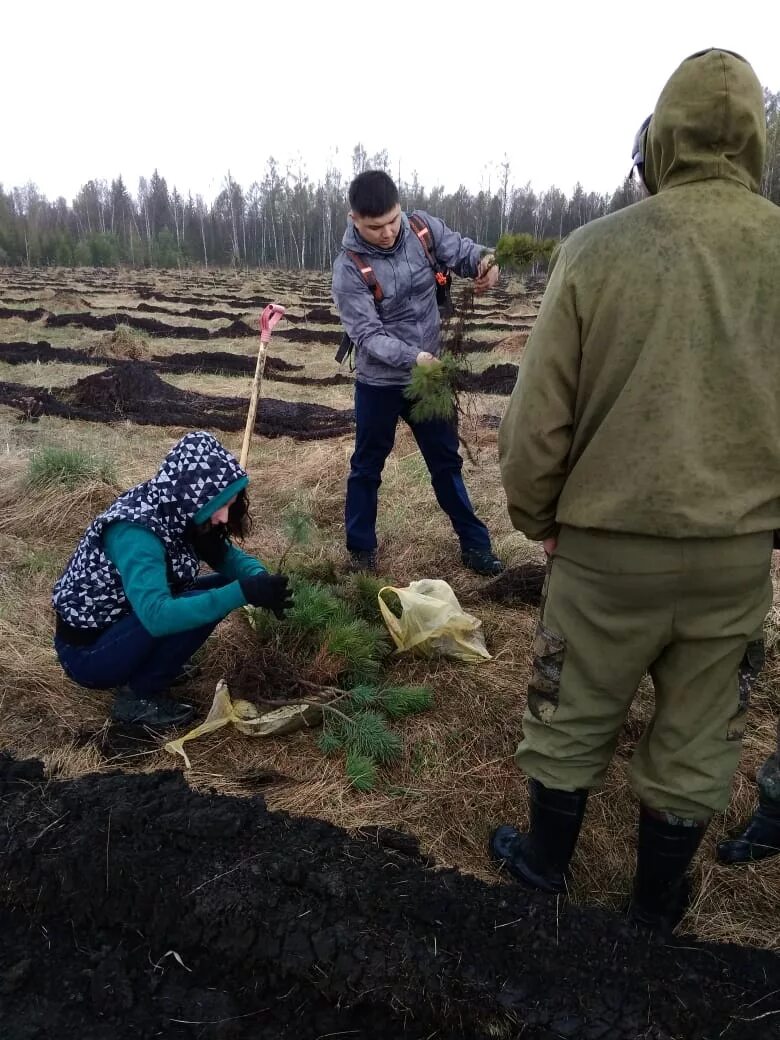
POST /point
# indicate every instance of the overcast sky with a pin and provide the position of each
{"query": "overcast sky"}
(91, 90)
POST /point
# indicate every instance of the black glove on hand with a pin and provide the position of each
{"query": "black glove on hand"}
(268, 590)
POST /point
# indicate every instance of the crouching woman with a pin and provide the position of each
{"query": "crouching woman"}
(131, 608)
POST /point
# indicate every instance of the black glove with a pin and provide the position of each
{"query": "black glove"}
(268, 590)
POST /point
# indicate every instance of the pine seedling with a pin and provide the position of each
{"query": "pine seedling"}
(398, 701)
(362, 646)
(363, 697)
(315, 608)
(263, 622)
(361, 591)
(433, 390)
(330, 741)
(361, 771)
(298, 527)
(367, 733)
(323, 571)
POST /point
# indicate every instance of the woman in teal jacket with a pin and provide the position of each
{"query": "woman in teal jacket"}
(131, 608)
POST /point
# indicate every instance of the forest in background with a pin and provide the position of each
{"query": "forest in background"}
(284, 220)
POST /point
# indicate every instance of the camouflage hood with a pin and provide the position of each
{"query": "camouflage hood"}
(709, 122)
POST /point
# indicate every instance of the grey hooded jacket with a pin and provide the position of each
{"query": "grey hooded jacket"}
(388, 336)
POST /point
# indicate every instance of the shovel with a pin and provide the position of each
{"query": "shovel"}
(268, 319)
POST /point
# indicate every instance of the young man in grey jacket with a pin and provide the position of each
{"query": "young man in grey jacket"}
(393, 330)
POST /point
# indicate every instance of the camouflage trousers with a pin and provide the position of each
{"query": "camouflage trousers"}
(618, 606)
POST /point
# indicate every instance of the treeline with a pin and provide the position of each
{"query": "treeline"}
(284, 220)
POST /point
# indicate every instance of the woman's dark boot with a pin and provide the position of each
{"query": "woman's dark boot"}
(759, 839)
(156, 712)
(662, 889)
(540, 857)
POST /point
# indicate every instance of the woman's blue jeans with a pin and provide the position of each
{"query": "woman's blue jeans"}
(126, 655)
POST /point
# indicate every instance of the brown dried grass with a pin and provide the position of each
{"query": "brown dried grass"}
(514, 345)
(124, 342)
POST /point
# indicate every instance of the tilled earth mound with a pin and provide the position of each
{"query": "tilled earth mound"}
(133, 907)
(213, 362)
(133, 390)
(495, 379)
(237, 329)
(522, 584)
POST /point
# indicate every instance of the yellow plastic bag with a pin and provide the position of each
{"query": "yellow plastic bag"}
(432, 622)
(248, 720)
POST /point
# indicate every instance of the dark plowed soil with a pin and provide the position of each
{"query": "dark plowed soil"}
(24, 313)
(521, 584)
(32, 403)
(471, 346)
(237, 329)
(321, 316)
(242, 302)
(316, 317)
(489, 422)
(109, 322)
(507, 327)
(23, 353)
(208, 362)
(204, 313)
(216, 362)
(133, 907)
(311, 336)
(495, 379)
(133, 390)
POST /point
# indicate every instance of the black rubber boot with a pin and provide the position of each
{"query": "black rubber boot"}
(540, 857)
(662, 889)
(760, 838)
(156, 712)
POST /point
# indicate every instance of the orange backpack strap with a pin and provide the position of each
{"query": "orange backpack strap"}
(423, 233)
(367, 274)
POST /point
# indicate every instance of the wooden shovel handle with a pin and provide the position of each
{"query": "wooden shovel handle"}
(253, 400)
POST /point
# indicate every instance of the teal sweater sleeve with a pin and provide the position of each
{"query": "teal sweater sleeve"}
(139, 556)
(237, 564)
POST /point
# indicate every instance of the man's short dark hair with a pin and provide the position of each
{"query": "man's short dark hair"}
(372, 194)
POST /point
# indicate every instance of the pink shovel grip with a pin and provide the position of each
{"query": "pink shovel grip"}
(268, 319)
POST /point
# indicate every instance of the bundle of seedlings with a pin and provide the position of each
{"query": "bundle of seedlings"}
(326, 651)
(433, 390)
(436, 390)
(359, 728)
(332, 649)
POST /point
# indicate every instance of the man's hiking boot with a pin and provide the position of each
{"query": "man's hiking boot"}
(662, 889)
(539, 858)
(155, 712)
(758, 840)
(482, 561)
(363, 560)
